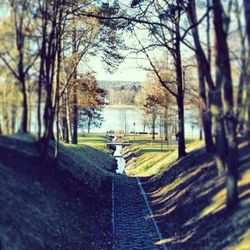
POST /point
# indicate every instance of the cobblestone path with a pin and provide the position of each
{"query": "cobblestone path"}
(131, 228)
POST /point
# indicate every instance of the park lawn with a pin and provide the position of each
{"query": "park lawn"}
(147, 138)
(142, 138)
(98, 141)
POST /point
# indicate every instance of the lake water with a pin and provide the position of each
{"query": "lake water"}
(130, 119)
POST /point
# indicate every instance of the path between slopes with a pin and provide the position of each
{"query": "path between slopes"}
(131, 228)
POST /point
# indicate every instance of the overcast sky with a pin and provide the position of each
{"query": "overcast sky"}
(129, 70)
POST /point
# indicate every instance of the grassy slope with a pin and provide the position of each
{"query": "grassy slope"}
(92, 166)
(188, 199)
(94, 140)
(151, 158)
(46, 206)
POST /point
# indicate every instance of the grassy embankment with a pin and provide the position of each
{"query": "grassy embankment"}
(94, 140)
(53, 206)
(151, 156)
(188, 197)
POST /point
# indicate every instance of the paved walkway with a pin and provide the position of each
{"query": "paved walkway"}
(131, 228)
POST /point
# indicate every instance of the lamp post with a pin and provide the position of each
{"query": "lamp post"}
(134, 132)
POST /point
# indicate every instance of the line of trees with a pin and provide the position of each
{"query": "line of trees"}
(43, 43)
(171, 26)
(156, 103)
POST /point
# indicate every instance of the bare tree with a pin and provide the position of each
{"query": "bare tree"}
(166, 34)
(223, 114)
(20, 65)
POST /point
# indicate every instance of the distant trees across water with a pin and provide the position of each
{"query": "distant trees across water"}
(120, 93)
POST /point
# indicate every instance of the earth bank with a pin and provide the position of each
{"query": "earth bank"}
(63, 205)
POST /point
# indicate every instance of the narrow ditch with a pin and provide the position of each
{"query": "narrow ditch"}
(120, 160)
(122, 156)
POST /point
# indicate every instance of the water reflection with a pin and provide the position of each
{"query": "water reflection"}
(120, 161)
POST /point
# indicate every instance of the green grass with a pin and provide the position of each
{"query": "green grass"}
(144, 143)
(28, 137)
(89, 161)
(90, 165)
(189, 200)
(98, 141)
(40, 196)
(152, 156)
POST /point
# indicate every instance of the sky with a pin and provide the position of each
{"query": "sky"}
(129, 70)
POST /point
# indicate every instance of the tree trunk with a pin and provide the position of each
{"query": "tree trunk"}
(89, 124)
(180, 93)
(203, 72)
(57, 98)
(219, 129)
(41, 75)
(214, 96)
(39, 98)
(24, 121)
(223, 74)
(247, 18)
(242, 95)
(49, 114)
(201, 134)
(57, 132)
(242, 101)
(68, 114)
(248, 111)
(65, 128)
(209, 53)
(29, 107)
(6, 123)
(181, 132)
(166, 135)
(75, 115)
(205, 113)
(207, 126)
(75, 99)
(181, 121)
(20, 39)
(13, 118)
(153, 125)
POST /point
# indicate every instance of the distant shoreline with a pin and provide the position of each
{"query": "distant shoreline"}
(124, 106)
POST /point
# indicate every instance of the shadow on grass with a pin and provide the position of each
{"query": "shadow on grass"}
(151, 150)
(44, 206)
(189, 203)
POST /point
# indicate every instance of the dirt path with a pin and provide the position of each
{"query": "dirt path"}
(131, 228)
